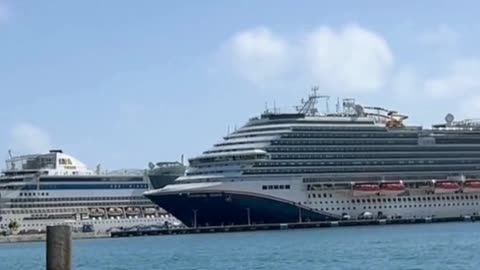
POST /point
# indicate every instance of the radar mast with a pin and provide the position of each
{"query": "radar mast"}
(309, 107)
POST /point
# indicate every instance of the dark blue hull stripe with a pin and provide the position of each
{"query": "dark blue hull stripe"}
(214, 208)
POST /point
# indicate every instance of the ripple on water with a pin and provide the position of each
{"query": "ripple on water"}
(430, 246)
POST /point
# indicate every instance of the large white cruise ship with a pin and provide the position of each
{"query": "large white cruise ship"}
(56, 188)
(309, 166)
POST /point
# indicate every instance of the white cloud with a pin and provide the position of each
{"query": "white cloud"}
(358, 61)
(258, 54)
(462, 78)
(352, 59)
(27, 138)
(442, 35)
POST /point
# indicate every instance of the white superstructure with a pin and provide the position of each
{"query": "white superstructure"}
(56, 188)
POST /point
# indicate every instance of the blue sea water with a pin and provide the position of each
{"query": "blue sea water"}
(424, 246)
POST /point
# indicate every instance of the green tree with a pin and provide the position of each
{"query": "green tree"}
(13, 225)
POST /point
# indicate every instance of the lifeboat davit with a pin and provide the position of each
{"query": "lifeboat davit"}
(392, 188)
(446, 187)
(471, 186)
(365, 189)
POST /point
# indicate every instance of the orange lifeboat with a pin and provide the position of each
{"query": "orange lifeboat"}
(471, 186)
(365, 189)
(446, 187)
(392, 188)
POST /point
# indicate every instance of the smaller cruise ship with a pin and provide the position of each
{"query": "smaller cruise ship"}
(56, 188)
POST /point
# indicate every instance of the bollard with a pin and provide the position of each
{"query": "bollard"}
(59, 247)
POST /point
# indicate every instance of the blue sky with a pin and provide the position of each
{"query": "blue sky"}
(123, 83)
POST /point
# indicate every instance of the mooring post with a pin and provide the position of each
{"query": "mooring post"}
(299, 214)
(195, 218)
(59, 247)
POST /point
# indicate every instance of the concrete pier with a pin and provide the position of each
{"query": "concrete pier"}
(298, 225)
(40, 237)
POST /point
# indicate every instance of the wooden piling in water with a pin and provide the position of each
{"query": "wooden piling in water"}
(59, 247)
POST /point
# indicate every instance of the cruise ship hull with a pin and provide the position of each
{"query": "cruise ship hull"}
(214, 208)
(242, 203)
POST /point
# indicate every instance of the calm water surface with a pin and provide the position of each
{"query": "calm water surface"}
(426, 246)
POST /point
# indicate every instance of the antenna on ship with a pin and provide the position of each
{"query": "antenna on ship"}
(449, 118)
(151, 166)
(327, 98)
(12, 164)
(309, 107)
